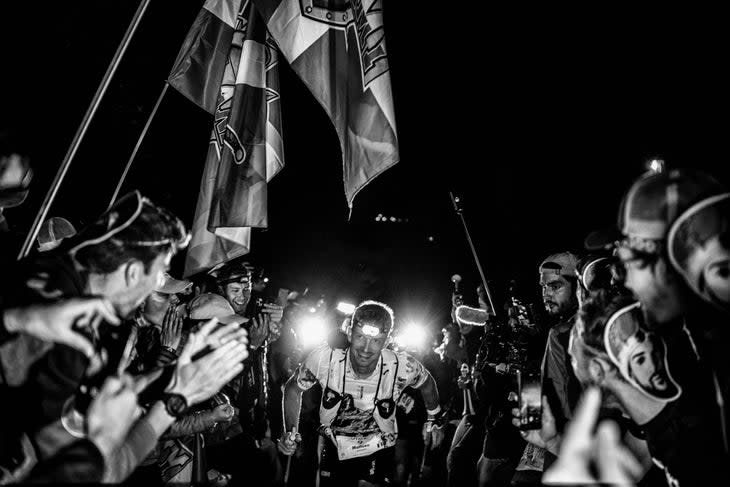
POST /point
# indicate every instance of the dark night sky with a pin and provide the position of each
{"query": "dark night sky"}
(539, 120)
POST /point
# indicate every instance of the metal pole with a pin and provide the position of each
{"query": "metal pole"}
(81, 131)
(459, 211)
(138, 144)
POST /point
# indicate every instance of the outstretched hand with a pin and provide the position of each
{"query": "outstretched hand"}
(59, 322)
(547, 436)
(582, 452)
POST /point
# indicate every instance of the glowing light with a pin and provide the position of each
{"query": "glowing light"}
(370, 330)
(413, 336)
(312, 331)
(345, 308)
(266, 279)
(377, 218)
(656, 165)
(312, 310)
(392, 218)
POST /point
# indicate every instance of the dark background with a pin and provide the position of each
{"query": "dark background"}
(539, 119)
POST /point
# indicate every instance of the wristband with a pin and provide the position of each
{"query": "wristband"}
(433, 412)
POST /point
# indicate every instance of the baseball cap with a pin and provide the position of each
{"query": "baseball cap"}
(53, 231)
(562, 264)
(651, 205)
(209, 305)
(170, 285)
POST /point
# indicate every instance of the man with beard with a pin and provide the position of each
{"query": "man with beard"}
(558, 282)
(361, 385)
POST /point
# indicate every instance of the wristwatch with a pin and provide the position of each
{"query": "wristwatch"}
(175, 404)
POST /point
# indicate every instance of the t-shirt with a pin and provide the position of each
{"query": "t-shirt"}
(353, 419)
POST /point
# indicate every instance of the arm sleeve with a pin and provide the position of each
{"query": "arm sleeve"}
(190, 424)
(415, 373)
(139, 443)
(79, 462)
(313, 368)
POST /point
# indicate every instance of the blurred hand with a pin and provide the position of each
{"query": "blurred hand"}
(56, 322)
(200, 379)
(259, 330)
(501, 368)
(433, 433)
(547, 436)
(223, 413)
(581, 450)
(275, 312)
(289, 442)
(112, 413)
(171, 329)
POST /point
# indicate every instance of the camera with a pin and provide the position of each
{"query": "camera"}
(529, 395)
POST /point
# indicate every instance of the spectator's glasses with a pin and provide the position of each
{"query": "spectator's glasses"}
(635, 259)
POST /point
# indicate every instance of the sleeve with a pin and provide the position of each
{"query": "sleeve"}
(79, 462)
(413, 370)
(190, 424)
(314, 368)
(140, 442)
(555, 377)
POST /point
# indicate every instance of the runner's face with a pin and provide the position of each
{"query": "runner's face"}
(366, 345)
(238, 294)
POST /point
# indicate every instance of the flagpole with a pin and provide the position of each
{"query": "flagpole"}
(81, 131)
(139, 143)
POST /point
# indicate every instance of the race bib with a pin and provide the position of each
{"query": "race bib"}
(361, 445)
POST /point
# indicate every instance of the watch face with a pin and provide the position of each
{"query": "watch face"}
(176, 404)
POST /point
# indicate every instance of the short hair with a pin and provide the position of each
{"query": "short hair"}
(593, 317)
(133, 229)
(374, 312)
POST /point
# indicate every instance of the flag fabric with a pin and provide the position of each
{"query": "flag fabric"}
(338, 50)
(228, 66)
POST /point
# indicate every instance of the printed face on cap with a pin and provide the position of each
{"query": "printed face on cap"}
(367, 341)
(557, 294)
(646, 366)
(238, 294)
(640, 356)
(709, 267)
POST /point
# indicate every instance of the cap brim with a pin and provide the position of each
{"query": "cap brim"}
(231, 319)
(602, 239)
(174, 286)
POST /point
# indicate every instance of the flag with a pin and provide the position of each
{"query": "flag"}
(228, 66)
(338, 50)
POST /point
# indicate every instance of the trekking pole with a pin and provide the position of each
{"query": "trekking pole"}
(293, 434)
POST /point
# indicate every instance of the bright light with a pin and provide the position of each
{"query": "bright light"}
(392, 218)
(413, 336)
(312, 331)
(345, 308)
(312, 310)
(656, 165)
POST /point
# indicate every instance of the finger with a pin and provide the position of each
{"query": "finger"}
(516, 422)
(217, 335)
(104, 308)
(207, 328)
(613, 461)
(578, 432)
(516, 413)
(79, 342)
(547, 413)
(111, 387)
